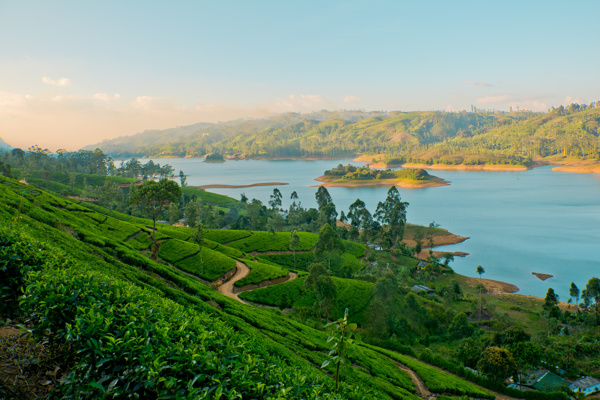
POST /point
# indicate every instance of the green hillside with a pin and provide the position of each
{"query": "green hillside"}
(88, 291)
(469, 138)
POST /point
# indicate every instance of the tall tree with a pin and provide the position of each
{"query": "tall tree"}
(592, 290)
(574, 293)
(198, 238)
(392, 213)
(327, 211)
(109, 191)
(294, 243)
(182, 178)
(328, 242)
(153, 197)
(480, 271)
(275, 201)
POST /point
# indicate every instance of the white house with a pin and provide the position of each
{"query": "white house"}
(587, 385)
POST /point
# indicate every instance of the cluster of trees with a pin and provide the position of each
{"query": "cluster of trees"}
(350, 172)
(94, 162)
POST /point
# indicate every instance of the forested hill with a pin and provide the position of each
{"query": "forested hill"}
(198, 139)
(431, 136)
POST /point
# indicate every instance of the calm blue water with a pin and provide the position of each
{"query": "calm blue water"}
(518, 222)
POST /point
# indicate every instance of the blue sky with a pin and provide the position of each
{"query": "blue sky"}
(76, 72)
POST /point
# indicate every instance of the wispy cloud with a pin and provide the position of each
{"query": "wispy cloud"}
(480, 84)
(569, 100)
(494, 99)
(298, 103)
(106, 97)
(351, 99)
(57, 82)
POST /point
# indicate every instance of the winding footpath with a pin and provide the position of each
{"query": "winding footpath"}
(422, 390)
(226, 288)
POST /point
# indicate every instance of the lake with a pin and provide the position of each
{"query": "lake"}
(518, 222)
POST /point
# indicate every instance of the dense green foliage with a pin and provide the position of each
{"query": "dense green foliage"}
(265, 241)
(102, 263)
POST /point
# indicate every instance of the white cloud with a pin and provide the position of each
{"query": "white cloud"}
(149, 103)
(351, 99)
(58, 82)
(300, 103)
(532, 105)
(451, 108)
(494, 99)
(480, 84)
(106, 97)
(568, 100)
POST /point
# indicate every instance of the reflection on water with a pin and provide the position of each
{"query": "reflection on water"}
(518, 222)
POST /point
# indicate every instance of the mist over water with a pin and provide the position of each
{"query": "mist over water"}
(518, 222)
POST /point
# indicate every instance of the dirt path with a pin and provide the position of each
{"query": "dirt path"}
(227, 287)
(499, 396)
(422, 390)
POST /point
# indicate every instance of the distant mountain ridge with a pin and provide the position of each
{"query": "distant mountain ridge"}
(208, 133)
(470, 138)
(5, 146)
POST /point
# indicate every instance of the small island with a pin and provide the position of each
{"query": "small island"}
(214, 158)
(351, 175)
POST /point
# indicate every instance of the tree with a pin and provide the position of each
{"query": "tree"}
(198, 238)
(551, 299)
(342, 342)
(526, 355)
(182, 178)
(192, 212)
(592, 290)
(275, 201)
(173, 213)
(327, 211)
(392, 213)
(294, 243)
(574, 292)
(480, 271)
(153, 197)
(497, 362)
(323, 286)
(329, 242)
(110, 190)
(460, 327)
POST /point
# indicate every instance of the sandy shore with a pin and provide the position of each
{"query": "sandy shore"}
(434, 182)
(485, 167)
(492, 286)
(217, 186)
(579, 169)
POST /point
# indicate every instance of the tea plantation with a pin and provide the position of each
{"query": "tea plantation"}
(121, 325)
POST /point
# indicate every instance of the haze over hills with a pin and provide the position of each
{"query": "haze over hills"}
(4, 146)
(422, 136)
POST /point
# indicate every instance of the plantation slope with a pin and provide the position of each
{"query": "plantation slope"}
(352, 294)
(103, 291)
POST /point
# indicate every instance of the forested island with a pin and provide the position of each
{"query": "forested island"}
(122, 281)
(351, 175)
(476, 140)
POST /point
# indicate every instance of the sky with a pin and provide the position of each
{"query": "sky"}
(74, 73)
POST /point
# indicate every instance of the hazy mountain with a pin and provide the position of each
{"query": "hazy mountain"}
(188, 137)
(5, 146)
